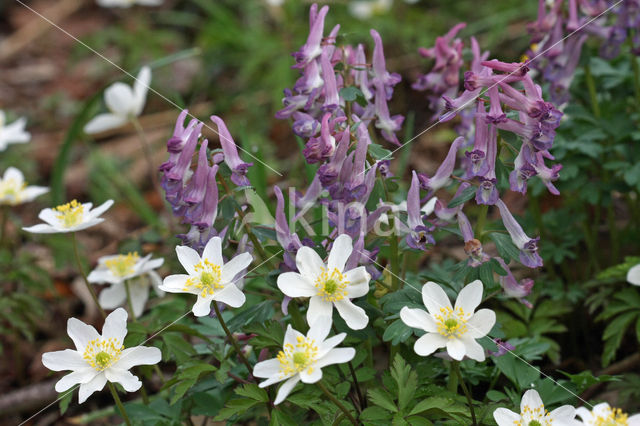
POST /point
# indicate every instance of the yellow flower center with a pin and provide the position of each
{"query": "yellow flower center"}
(102, 354)
(332, 287)
(613, 417)
(298, 358)
(11, 190)
(451, 324)
(70, 214)
(208, 278)
(534, 417)
(123, 265)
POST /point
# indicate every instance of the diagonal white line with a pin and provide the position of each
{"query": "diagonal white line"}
(496, 343)
(463, 106)
(151, 337)
(136, 79)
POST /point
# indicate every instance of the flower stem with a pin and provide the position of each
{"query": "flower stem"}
(231, 338)
(456, 368)
(361, 400)
(129, 302)
(591, 85)
(84, 276)
(482, 219)
(4, 215)
(338, 403)
(393, 245)
(116, 398)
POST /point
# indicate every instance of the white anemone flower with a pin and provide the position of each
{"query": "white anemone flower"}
(70, 217)
(533, 413)
(128, 3)
(12, 133)
(328, 285)
(209, 277)
(365, 9)
(455, 328)
(633, 276)
(123, 102)
(302, 357)
(14, 190)
(139, 273)
(99, 358)
(603, 415)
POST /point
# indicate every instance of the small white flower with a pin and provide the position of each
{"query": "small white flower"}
(603, 415)
(455, 328)
(14, 190)
(633, 276)
(128, 3)
(123, 102)
(99, 358)
(302, 357)
(70, 217)
(532, 413)
(208, 276)
(12, 133)
(328, 285)
(116, 269)
(365, 9)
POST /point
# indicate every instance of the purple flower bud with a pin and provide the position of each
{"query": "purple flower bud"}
(380, 73)
(388, 125)
(231, 158)
(195, 190)
(331, 97)
(479, 153)
(523, 170)
(503, 348)
(210, 204)
(513, 288)
(361, 73)
(289, 242)
(184, 160)
(528, 247)
(548, 175)
(305, 125)
(487, 192)
(443, 175)
(312, 49)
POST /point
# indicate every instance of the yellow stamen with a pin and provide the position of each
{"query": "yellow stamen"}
(11, 190)
(101, 354)
(612, 417)
(298, 358)
(207, 280)
(70, 214)
(332, 288)
(122, 265)
(451, 324)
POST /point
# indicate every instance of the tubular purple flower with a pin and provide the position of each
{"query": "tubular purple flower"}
(472, 246)
(177, 172)
(496, 115)
(487, 192)
(443, 175)
(231, 158)
(513, 288)
(328, 172)
(528, 247)
(319, 148)
(515, 68)
(361, 75)
(380, 73)
(388, 125)
(503, 348)
(445, 214)
(310, 79)
(289, 242)
(331, 96)
(305, 125)
(312, 49)
(453, 106)
(477, 157)
(523, 170)
(210, 204)
(195, 190)
(548, 175)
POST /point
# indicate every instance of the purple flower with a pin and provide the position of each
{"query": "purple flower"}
(238, 167)
(312, 49)
(548, 175)
(528, 246)
(197, 187)
(331, 97)
(419, 235)
(209, 209)
(320, 148)
(304, 125)
(523, 170)
(477, 157)
(443, 174)
(513, 288)
(503, 348)
(388, 125)
(487, 192)
(472, 246)
(177, 172)
(380, 74)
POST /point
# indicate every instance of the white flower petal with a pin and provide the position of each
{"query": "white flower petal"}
(79, 376)
(291, 336)
(358, 282)
(285, 389)
(336, 356)
(429, 343)
(115, 325)
(138, 355)
(41, 229)
(129, 382)
(141, 85)
(330, 343)
(267, 368)
(86, 389)
(340, 252)
(434, 298)
(236, 265)
(175, 283)
(139, 295)
(506, 417)
(119, 99)
(473, 349)
(584, 414)
(100, 276)
(311, 377)
(49, 216)
(88, 224)
(93, 214)
(32, 192)
(319, 329)
(563, 414)
(202, 306)
(230, 295)
(456, 349)
(67, 359)
(318, 308)
(633, 276)
(309, 263)
(213, 251)
(355, 317)
(481, 323)
(532, 399)
(417, 318)
(156, 282)
(295, 285)
(81, 333)
(103, 122)
(14, 174)
(634, 420)
(469, 297)
(188, 258)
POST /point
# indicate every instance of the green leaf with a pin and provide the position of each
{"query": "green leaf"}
(279, 417)
(181, 388)
(505, 246)
(257, 313)
(65, 400)
(375, 413)
(396, 333)
(406, 379)
(253, 391)
(234, 407)
(378, 152)
(466, 195)
(350, 93)
(381, 398)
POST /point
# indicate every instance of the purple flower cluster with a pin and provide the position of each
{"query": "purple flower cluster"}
(193, 194)
(563, 26)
